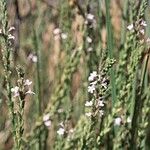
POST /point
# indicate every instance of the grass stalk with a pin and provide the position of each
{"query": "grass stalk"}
(110, 49)
(138, 105)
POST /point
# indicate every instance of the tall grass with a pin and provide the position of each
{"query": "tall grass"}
(73, 83)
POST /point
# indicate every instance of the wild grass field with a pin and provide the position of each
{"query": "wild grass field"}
(74, 75)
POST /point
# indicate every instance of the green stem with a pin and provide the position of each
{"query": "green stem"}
(137, 106)
(110, 48)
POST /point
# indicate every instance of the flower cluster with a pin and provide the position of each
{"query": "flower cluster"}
(90, 20)
(9, 35)
(59, 34)
(97, 87)
(121, 120)
(46, 120)
(22, 89)
(64, 129)
(140, 23)
(32, 57)
(140, 27)
(96, 81)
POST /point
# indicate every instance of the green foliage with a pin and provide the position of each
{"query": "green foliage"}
(87, 95)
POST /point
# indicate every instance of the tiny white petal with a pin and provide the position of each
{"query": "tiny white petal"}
(60, 110)
(100, 103)
(143, 23)
(11, 28)
(128, 120)
(46, 117)
(71, 130)
(93, 83)
(29, 92)
(90, 16)
(142, 31)
(64, 36)
(91, 89)
(11, 37)
(89, 40)
(15, 89)
(88, 103)
(118, 121)
(61, 131)
(101, 112)
(90, 49)
(130, 27)
(148, 40)
(56, 31)
(89, 114)
(34, 58)
(28, 82)
(1, 31)
(104, 85)
(61, 124)
(48, 123)
(92, 76)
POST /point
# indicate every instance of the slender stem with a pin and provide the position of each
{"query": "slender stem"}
(137, 106)
(110, 48)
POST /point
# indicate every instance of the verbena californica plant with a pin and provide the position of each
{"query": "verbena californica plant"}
(92, 98)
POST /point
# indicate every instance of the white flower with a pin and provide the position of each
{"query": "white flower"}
(101, 113)
(71, 130)
(118, 121)
(92, 76)
(33, 58)
(15, 91)
(142, 31)
(64, 36)
(61, 124)
(88, 103)
(100, 103)
(93, 83)
(46, 120)
(46, 117)
(128, 120)
(130, 27)
(104, 85)
(1, 31)
(91, 89)
(89, 40)
(11, 29)
(148, 40)
(48, 123)
(143, 23)
(28, 82)
(90, 49)
(88, 114)
(90, 16)
(10, 37)
(56, 31)
(61, 131)
(29, 92)
(60, 110)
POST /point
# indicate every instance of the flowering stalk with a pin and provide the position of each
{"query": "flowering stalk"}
(19, 93)
(6, 43)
